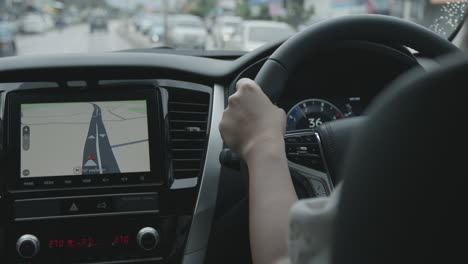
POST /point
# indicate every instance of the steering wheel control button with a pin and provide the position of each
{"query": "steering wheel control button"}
(309, 139)
(290, 148)
(27, 246)
(148, 238)
(292, 139)
(303, 149)
(319, 188)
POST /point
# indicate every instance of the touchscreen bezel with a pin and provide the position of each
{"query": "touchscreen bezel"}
(155, 142)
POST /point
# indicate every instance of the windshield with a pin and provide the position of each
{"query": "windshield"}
(189, 24)
(87, 26)
(268, 34)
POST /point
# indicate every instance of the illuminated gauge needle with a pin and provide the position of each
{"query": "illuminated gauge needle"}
(302, 112)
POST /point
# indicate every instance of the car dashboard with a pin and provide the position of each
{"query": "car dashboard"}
(169, 200)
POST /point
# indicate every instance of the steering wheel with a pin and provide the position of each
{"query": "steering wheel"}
(333, 137)
(274, 74)
(403, 174)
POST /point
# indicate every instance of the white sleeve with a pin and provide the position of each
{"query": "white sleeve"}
(310, 229)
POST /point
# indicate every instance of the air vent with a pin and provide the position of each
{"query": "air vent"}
(188, 122)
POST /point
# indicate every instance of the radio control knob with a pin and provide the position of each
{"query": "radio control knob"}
(147, 238)
(28, 246)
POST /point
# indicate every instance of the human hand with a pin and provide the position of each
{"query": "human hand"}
(251, 121)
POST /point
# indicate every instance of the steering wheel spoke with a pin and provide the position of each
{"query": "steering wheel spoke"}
(305, 156)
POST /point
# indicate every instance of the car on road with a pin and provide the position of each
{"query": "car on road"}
(186, 31)
(33, 23)
(148, 22)
(49, 21)
(8, 21)
(141, 21)
(98, 23)
(157, 34)
(224, 29)
(7, 40)
(252, 34)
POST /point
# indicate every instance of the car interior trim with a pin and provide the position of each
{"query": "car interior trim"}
(145, 260)
(87, 196)
(311, 175)
(184, 183)
(86, 215)
(206, 202)
(324, 161)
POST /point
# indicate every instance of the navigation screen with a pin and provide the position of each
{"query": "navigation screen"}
(63, 139)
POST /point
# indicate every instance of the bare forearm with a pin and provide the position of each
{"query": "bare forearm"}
(271, 195)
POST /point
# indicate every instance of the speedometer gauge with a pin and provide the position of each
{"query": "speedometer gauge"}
(311, 113)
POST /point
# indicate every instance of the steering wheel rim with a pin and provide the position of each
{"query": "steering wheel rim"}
(274, 74)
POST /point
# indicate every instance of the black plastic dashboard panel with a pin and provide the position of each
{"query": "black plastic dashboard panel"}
(127, 65)
(171, 213)
(110, 66)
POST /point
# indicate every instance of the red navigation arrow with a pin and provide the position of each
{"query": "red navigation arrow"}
(90, 157)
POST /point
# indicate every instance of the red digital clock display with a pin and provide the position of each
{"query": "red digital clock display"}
(89, 242)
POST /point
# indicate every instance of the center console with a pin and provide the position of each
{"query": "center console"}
(102, 172)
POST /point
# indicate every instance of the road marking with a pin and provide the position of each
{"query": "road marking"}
(102, 135)
(91, 137)
(97, 150)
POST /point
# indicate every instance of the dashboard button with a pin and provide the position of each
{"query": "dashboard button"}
(27, 246)
(137, 202)
(105, 180)
(124, 179)
(48, 183)
(148, 238)
(68, 181)
(102, 206)
(87, 205)
(86, 180)
(72, 206)
(29, 183)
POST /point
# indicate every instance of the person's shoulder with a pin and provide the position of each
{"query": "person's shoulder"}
(283, 261)
(316, 206)
(311, 228)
